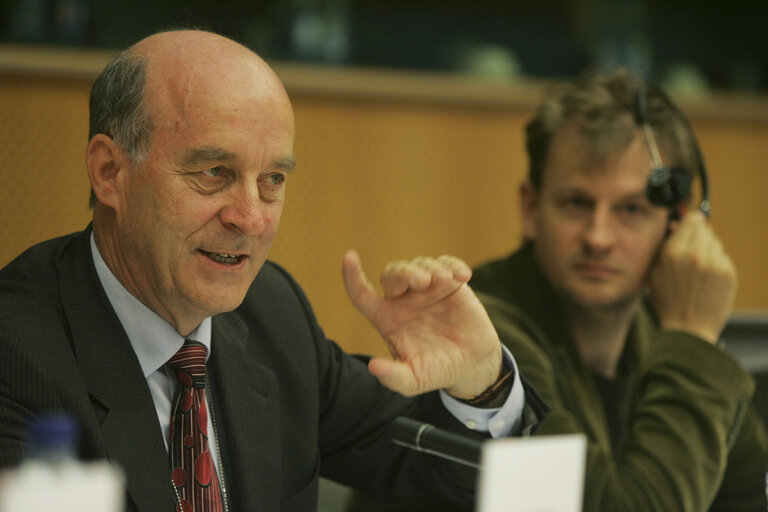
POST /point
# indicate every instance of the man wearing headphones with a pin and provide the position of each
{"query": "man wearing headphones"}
(615, 302)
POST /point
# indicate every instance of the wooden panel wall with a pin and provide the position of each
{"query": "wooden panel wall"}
(43, 132)
(393, 171)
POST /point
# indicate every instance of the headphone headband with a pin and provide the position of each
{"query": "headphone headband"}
(669, 186)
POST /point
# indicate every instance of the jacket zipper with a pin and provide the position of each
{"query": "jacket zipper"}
(222, 480)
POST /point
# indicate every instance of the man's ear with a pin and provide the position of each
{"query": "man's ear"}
(105, 162)
(529, 204)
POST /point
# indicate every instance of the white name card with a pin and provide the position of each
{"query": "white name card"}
(535, 474)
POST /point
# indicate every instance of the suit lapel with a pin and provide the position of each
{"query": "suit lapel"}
(246, 408)
(127, 418)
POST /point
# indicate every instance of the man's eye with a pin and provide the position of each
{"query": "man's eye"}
(214, 172)
(633, 209)
(276, 179)
(271, 186)
(576, 203)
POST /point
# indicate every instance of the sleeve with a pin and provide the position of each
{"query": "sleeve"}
(745, 483)
(357, 450)
(14, 414)
(500, 421)
(691, 399)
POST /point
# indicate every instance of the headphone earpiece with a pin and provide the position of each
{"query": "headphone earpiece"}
(668, 187)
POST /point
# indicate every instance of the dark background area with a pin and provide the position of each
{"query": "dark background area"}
(684, 43)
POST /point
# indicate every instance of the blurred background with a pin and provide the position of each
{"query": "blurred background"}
(679, 42)
(409, 117)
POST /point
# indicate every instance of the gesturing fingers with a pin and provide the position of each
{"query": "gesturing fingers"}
(421, 274)
(461, 271)
(361, 292)
(433, 324)
(400, 276)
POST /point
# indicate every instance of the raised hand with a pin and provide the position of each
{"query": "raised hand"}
(693, 283)
(435, 327)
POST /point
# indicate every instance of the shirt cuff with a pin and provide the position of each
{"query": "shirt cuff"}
(500, 421)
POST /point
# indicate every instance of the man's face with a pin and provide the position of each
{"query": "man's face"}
(197, 217)
(595, 234)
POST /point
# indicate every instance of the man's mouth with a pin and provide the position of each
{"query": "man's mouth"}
(596, 269)
(220, 257)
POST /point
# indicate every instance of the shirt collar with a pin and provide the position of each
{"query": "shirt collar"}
(153, 339)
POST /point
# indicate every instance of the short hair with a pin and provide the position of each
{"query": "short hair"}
(118, 108)
(603, 108)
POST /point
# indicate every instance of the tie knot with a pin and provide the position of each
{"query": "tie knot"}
(189, 363)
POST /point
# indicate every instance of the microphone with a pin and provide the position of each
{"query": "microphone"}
(427, 438)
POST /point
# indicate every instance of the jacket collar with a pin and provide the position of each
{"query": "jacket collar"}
(128, 426)
(246, 412)
(526, 287)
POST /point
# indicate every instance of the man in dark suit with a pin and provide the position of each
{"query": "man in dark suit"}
(190, 146)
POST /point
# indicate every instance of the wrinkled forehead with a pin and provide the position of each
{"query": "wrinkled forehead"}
(181, 87)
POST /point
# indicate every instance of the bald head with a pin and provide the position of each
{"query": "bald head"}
(158, 80)
(181, 42)
(191, 62)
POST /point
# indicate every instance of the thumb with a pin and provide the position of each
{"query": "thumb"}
(394, 375)
(360, 291)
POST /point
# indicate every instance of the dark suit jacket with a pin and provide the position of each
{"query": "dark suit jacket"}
(288, 403)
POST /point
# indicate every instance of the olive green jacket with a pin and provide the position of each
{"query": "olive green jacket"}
(692, 443)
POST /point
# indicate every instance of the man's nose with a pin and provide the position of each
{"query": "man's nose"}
(245, 210)
(599, 233)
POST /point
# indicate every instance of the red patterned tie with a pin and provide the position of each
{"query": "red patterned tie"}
(194, 476)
